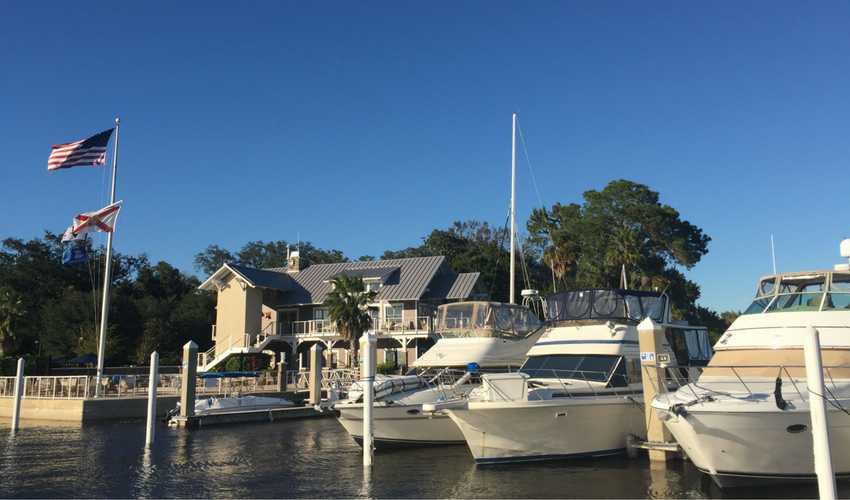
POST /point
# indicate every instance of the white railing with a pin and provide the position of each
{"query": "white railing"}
(421, 324)
(758, 383)
(205, 358)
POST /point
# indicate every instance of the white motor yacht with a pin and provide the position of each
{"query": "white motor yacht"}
(746, 420)
(579, 393)
(493, 335)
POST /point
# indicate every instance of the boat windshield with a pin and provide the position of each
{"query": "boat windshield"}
(606, 304)
(590, 368)
(820, 291)
(484, 319)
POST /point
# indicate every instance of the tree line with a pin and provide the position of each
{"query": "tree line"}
(621, 236)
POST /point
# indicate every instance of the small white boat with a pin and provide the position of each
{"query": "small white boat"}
(579, 393)
(242, 402)
(232, 401)
(747, 419)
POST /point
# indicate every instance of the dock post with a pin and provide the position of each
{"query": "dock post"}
(188, 376)
(817, 407)
(153, 383)
(316, 375)
(19, 390)
(281, 373)
(651, 336)
(367, 377)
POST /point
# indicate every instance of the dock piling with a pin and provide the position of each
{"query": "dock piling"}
(316, 375)
(188, 376)
(651, 335)
(153, 382)
(19, 389)
(817, 408)
(368, 344)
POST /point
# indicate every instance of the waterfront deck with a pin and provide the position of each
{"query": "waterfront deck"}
(71, 398)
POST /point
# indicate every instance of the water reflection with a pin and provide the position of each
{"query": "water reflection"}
(144, 482)
(314, 458)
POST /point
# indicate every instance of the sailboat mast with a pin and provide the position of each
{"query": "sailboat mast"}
(107, 281)
(513, 200)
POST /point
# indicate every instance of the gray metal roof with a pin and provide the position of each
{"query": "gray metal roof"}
(369, 273)
(404, 279)
(253, 277)
(453, 286)
(263, 279)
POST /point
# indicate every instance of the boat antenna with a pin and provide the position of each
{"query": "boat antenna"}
(773, 251)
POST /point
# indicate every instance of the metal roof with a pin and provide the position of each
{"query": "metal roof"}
(453, 286)
(403, 279)
(253, 277)
(369, 273)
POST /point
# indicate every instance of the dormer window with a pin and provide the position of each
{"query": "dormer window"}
(371, 286)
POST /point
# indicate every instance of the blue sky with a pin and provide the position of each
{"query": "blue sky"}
(362, 126)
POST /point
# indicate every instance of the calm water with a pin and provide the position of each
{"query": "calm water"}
(312, 458)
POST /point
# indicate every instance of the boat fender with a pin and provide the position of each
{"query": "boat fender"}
(777, 392)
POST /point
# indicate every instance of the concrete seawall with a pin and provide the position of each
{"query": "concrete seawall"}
(105, 408)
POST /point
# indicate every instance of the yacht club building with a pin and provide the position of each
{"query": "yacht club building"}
(280, 309)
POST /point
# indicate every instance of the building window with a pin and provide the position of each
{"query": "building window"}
(394, 316)
(371, 287)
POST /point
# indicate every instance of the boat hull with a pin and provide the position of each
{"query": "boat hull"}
(549, 429)
(400, 425)
(747, 446)
(213, 406)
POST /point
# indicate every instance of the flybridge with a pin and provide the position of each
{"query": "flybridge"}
(607, 304)
(803, 291)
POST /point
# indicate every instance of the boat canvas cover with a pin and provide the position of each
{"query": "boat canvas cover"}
(387, 384)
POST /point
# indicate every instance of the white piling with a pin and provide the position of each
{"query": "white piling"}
(19, 390)
(817, 407)
(316, 375)
(367, 371)
(153, 383)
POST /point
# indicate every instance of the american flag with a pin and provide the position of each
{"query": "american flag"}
(91, 151)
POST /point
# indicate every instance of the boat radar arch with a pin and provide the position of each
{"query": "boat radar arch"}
(845, 252)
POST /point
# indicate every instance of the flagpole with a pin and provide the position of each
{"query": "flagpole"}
(107, 280)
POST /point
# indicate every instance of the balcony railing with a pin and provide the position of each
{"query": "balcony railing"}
(422, 324)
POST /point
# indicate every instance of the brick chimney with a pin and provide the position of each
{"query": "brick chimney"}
(295, 263)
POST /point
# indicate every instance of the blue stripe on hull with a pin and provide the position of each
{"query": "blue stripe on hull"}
(574, 342)
(530, 458)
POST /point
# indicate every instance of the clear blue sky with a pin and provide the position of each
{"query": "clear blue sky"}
(362, 126)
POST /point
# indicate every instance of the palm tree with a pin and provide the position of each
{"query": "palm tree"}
(627, 249)
(12, 313)
(347, 308)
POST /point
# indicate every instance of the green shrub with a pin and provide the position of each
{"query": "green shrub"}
(386, 368)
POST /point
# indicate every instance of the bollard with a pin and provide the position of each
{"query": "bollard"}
(368, 345)
(651, 336)
(153, 383)
(282, 382)
(817, 407)
(188, 376)
(316, 375)
(19, 389)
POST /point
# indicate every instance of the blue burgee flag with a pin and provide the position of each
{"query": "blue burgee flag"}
(74, 256)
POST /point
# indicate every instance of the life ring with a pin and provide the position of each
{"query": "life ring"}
(177, 383)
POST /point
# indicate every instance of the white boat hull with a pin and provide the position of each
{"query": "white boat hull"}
(399, 425)
(755, 443)
(549, 429)
(239, 404)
